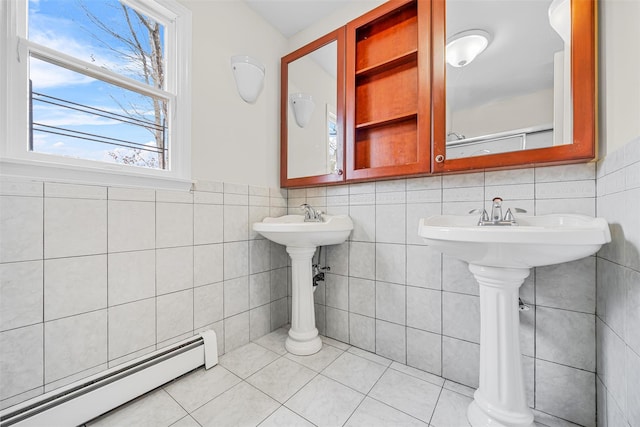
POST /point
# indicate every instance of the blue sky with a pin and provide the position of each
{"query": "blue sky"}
(64, 25)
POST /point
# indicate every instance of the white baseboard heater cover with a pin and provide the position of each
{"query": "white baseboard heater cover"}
(86, 399)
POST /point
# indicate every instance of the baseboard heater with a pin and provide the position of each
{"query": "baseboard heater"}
(86, 399)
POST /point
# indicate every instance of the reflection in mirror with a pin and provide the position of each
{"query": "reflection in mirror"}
(516, 93)
(312, 127)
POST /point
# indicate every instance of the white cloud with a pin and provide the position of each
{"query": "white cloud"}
(54, 116)
(59, 144)
(46, 76)
(62, 35)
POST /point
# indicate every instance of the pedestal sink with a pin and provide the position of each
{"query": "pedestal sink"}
(500, 258)
(301, 239)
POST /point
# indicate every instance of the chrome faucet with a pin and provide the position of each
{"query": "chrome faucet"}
(310, 214)
(497, 218)
(496, 210)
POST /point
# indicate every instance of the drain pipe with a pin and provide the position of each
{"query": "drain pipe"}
(317, 270)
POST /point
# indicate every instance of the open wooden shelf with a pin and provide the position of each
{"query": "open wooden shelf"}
(407, 57)
(388, 119)
(387, 37)
(387, 94)
(391, 145)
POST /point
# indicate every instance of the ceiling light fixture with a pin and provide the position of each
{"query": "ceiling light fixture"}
(464, 47)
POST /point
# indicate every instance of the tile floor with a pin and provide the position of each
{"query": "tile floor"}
(260, 384)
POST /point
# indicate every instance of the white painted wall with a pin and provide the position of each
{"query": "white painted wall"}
(331, 22)
(619, 73)
(518, 112)
(234, 141)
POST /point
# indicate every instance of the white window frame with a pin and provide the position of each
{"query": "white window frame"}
(15, 158)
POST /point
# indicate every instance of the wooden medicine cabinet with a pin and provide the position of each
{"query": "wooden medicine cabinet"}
(528, 99)
(312, 137)
(401, 110)
(388, 79)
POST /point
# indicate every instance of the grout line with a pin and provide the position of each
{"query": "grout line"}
(44, 349)
(436, 404)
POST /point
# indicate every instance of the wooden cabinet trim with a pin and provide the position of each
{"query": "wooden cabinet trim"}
(330, 178)
(583, 69)
(413, 146)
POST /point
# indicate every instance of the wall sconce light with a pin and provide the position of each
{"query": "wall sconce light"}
(249, 75)
(303, 106)
(464, 47)
(560, 19)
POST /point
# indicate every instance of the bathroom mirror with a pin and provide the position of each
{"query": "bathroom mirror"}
(528, 97)
(311, 108)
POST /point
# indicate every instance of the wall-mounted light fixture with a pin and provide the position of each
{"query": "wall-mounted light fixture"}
(464, 47)
(249, 75)
(302, 105)
(560, 19)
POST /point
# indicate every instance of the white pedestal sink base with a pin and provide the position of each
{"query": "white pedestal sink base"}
(303, 338)
(500, 401)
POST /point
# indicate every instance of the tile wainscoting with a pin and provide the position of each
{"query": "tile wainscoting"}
(618, 290)
(93, 276)
(390, 294)
(197, 264)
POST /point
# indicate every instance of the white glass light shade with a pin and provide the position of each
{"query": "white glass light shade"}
(464, 47)
(302, 105)
(249, 75)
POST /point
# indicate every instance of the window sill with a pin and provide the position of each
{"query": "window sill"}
(116, 177)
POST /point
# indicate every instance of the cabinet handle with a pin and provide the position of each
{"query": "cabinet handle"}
(439, 158)
(339, 172)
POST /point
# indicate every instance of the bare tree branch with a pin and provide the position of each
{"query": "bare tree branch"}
(150, 69)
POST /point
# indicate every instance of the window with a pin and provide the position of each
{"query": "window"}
(97, 91)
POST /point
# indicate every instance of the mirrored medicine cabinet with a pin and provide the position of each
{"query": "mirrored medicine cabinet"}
(312, 113)
(380, 97)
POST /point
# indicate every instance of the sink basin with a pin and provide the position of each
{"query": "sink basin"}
(291, 230)
(301, 239)
(536, 241)
(500, 258)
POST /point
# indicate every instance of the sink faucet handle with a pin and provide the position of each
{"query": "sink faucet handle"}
(508, 216)
(520, 210)
(484, 217)
(308, 211)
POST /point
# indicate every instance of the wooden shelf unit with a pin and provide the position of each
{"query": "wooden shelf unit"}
(388, 89)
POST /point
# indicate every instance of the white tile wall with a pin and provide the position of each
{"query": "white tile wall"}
(379, 281)
(123, 339)
(21, 237)
(74, 227)
(22, 294)
(618, 289)
(566, 392)
(131, 276)
(74, 285)
(412, 305)
(174, 269)
(174, 224)
(93, 276)
(132, 225)
(21, 361)
(87, 332)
